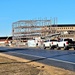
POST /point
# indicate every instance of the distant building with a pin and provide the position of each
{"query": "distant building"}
(5, 40)
(67, 30)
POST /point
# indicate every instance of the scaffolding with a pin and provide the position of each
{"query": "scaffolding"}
(30, 29)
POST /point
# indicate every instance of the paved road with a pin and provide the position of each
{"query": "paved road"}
(60, 58)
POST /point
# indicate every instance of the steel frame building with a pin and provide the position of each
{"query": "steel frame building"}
(28, 29)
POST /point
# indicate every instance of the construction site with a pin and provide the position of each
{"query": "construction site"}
(30, 29)
(39, 29)
(24, 30)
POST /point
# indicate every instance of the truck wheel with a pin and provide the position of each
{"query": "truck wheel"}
(57, 47)
(74, 48)
(64, 47)
(50, 47)
(44, 47)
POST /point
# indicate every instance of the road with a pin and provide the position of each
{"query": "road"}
(59, 58)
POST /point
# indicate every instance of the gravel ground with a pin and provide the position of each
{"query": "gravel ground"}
(13, 67)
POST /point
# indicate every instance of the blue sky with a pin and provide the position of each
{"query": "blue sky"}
(15, 10)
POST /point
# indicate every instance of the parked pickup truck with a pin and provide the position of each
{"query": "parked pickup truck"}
(49, 43)
(66, 44)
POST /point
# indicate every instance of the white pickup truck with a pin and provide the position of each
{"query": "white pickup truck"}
(50, 44)
(66, 44)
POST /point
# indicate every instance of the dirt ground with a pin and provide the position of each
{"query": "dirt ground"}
(10, 65)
